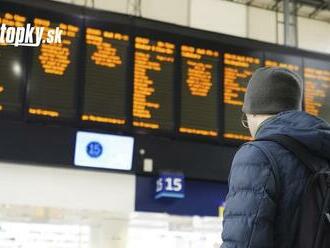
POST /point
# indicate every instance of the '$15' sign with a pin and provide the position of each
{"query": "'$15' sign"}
(170, 186)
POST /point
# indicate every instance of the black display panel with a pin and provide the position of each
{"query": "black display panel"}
(153, 93)
(12, 72)
(291, 63)
(317, 88)
(238, 68)
(198, 160)
(62, 83)
(106, 75)
(54, 72)
(199, 91)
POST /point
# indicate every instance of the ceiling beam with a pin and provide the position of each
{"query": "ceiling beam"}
(317, 10)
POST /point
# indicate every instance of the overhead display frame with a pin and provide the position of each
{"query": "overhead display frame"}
(12, 64)
(199, 92)
(53, 76)
(144, 76)
(317, 87)
(106, 79)
(238, 66)
(155, 49)
(154, 79)
(200, 116)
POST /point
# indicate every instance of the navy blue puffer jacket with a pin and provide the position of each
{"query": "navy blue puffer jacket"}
(266, 183)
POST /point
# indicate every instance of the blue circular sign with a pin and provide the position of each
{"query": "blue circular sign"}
(94, 149)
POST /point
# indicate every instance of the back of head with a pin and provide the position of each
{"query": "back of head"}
(272, 90)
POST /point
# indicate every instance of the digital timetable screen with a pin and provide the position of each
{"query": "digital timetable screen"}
(317, 88)
(238, 68)
(153, 96)
(11, 68)
(119, 73)
(199, 91)
(106, 83)
(53, 75)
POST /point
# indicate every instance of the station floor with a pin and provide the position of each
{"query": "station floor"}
(42, 227)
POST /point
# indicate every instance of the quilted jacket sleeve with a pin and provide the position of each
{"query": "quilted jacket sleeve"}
(251, 202)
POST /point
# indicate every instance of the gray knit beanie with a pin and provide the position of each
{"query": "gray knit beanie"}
(272, 90)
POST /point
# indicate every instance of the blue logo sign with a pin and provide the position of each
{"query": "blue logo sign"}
(94, 149)
(170, 186)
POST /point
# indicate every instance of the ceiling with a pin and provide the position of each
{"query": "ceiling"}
(314, 9)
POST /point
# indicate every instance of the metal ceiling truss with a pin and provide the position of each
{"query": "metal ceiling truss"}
(304, 8)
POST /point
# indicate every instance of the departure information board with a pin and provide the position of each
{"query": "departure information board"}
(114, 72)
(153, 96)
(106, 86)
(11, 67)
(291, 63)
(53, 76)
(238, 69)
(199, 91)
(317, 88)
